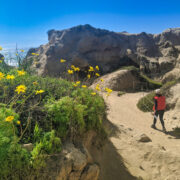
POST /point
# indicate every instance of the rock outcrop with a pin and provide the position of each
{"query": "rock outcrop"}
(120, 80)
(84, 45)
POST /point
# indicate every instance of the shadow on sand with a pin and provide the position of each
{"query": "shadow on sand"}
(111, 163)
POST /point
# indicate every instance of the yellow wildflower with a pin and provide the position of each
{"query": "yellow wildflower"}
(97, 74)
(10, 77)
(21, 73)
(93, 93)
(75, 85)
(84, 86)
(97, 67)
(78, 82)
(18, 122)
(17, 54)
(39, 91)
(102, 80)
(76, 69)
(22, 50)
(35, 83)
(21, 89)
(62, 61)
(88, 76)
(1, 75)
(2, 58)
(37, 54)
(1, 61)
(72, 67)
(108, 90)
(98, 88)
(1, 48)
(91, 69)
(34, 54)
(9, 118)
(70, 71)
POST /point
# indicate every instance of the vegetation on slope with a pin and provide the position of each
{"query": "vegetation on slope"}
(44, 112)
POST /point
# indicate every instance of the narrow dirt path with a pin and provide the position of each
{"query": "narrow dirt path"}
(159, 159)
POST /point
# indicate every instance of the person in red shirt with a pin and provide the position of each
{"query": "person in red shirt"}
(159, 107)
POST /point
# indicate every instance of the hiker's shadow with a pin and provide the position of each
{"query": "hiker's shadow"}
(171, 133)
(174, 134)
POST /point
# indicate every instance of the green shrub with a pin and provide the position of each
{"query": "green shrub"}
(13, 158)
(94, 108)
(151, 84)
(48, 144)
(120, 93)
(146, 103)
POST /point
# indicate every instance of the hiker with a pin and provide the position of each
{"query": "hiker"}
(159, 107)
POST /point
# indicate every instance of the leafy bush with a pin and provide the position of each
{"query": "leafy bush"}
(151, 84)
(41, 111)
(120, 93)
(94, 108)
(146, 103)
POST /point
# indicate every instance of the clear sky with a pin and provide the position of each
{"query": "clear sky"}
(26, 22)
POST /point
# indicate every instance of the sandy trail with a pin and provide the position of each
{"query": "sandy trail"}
(159, 159)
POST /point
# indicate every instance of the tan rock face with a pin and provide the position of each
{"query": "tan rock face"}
(85, 45)
(75, 165)
(120, 80)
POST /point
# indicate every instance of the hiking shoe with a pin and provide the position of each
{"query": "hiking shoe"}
(164, 130)
(153, 126)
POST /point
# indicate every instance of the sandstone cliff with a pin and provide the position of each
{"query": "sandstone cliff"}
(85, 45)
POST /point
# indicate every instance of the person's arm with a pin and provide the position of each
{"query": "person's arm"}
(155, 104)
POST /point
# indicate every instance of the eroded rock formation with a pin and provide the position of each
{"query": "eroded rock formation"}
(85, 45)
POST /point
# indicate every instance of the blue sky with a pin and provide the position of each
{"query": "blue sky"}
(26, 22)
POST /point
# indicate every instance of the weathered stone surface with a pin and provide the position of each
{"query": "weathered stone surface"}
(91, 173)
(120, 80)
(85, 45)
(73, 163)
(144, 138)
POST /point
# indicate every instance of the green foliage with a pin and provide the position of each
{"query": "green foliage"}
(130, 68)
(151, 84)
(168, 85)
(94, 108)
(48, 144)
(62, 110)
(12, 157)
(120, 93)
(146, 103)
(65, 114)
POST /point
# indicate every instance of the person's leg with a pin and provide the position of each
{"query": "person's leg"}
(155, 119)
(161, 114)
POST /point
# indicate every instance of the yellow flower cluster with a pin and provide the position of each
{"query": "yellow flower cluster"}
(1, 48)
(21, 73)
(62, 60)
(1, 61)
(88, 76)
(21, 89)
(10, 77)
(91, 69)
(70, 71)
(35, 54)
(9, 118)
(39, 91)
(1, 75)
(84, 86)
(93, 93)
(35, 83)
(76, 84)
(98, 88)
(22, 50)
